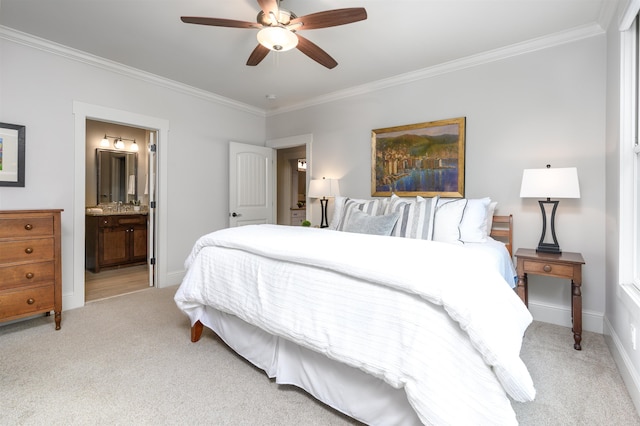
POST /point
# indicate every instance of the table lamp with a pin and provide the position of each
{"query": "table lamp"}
(549, 183)
(323, 189)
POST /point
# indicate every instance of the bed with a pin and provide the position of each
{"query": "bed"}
(389, 331)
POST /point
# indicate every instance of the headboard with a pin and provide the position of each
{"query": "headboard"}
(502, 230)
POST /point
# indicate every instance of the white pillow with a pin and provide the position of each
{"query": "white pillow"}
(447, 220)
(473, 227)
(416, 216)
(490, 211)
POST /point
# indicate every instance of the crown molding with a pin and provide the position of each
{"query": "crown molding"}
(563, 37)
(48, 46)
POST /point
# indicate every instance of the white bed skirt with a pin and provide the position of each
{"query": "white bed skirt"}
(346, 389)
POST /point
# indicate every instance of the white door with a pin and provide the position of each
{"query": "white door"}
(251, 183)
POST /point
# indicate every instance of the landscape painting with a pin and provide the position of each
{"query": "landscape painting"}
(425, 159)
(12, 150)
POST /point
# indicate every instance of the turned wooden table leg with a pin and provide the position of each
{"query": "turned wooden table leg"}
(58, 318)
(576, 313)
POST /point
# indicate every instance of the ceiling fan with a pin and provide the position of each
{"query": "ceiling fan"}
(278, 29)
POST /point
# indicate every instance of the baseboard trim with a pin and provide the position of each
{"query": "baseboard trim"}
(561, 315)
(173, 278)
(624, 364)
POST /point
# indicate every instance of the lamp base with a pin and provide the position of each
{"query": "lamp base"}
(323, 206)
(548, 248)
(552, 247)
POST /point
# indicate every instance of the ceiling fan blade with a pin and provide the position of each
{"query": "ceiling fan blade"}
(218, 22)
(331, 18)
(314, 52)
(268, 6)
(257, 55)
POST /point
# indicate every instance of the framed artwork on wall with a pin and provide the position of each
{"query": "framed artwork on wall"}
(12, 141)
(425, 159)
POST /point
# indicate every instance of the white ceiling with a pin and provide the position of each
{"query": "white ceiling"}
(399, 37)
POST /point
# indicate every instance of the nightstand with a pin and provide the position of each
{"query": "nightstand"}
(563, 265)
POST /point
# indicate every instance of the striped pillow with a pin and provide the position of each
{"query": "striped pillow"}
(370, 207)
(416, 216)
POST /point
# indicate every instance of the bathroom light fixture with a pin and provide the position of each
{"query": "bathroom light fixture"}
(118, 142)
(549, 183)
(324, 188)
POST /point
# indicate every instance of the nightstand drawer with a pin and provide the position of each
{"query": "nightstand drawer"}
(26, 301)
(548, 268)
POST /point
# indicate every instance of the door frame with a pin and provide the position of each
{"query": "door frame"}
(83, 111)
(290, 142)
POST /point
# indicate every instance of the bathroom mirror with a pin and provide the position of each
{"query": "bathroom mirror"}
(117, 176)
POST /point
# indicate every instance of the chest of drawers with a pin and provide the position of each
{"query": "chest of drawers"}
(30, 264)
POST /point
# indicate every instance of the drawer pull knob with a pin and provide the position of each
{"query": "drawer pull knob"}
(29, 275)
(28, 227)
(547, 268)
(30, 301)
(28, 250)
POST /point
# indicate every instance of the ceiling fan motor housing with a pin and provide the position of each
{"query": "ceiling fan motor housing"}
(283, 18)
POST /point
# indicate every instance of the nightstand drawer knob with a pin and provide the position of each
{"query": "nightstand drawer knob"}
(547, 268)
(28, 227)
(29, 275)
(28, 250)
(30, 301)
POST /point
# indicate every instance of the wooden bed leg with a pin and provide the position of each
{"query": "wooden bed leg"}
(196, 331)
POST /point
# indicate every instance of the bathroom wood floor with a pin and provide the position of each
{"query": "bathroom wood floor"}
(114, 282)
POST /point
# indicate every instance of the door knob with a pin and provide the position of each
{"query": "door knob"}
(234, 214)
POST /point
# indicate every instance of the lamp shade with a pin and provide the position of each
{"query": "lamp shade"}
(319, 188)
(550, 183)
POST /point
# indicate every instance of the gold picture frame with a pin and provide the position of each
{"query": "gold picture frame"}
(425, 159)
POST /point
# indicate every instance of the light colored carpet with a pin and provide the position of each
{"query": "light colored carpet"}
(128, 360)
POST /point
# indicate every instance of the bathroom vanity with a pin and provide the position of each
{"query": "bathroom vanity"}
(115, 240)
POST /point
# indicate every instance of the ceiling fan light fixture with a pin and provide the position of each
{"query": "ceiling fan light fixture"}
(278, 39)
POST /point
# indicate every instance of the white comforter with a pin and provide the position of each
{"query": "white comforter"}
(433, 318)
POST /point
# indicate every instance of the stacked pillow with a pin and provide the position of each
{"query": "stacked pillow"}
(451, 220)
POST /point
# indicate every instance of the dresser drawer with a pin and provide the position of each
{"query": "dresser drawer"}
(26, 250)
(25, 274)
(548, 268)
(26, 227)
(25, 301)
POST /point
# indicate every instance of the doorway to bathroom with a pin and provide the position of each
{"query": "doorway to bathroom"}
(291, 183)
(119, 223)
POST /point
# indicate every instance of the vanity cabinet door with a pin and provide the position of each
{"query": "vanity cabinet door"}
(138, 243)
(113, 244)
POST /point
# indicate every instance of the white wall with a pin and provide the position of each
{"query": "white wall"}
(39, 84)
(542, 107)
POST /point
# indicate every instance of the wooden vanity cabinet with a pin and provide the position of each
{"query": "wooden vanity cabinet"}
(115, 240)
(30, 264)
